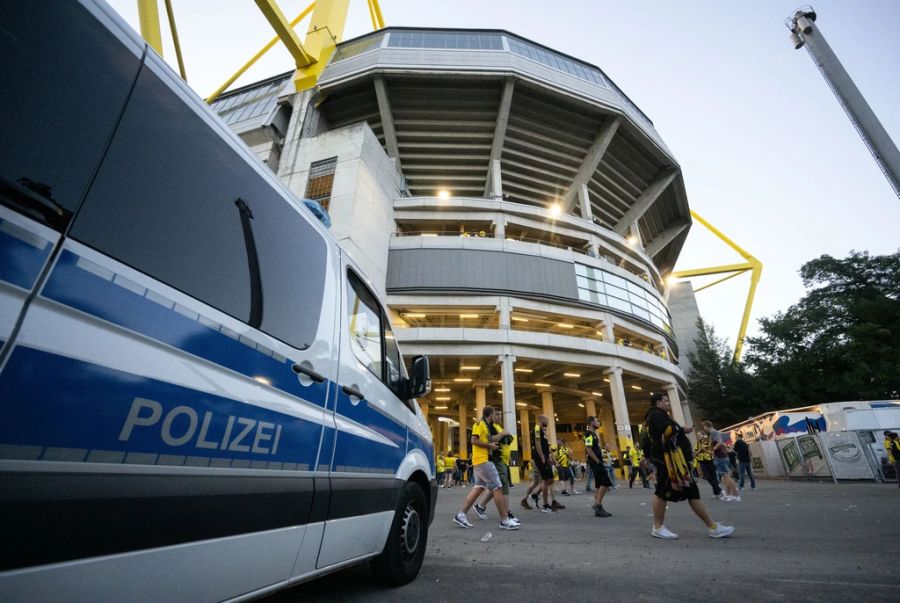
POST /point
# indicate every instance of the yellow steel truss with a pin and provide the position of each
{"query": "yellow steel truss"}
(753, 265)
(326, 29)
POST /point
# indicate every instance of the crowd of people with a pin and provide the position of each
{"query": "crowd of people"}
(665, 461)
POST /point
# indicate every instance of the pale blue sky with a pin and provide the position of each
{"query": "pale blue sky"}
(767, 153)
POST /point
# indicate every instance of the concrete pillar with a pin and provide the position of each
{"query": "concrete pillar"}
(584, 200)
(504, 309)
(635, 232)
(507, 366)
(445, 441)
(590, 407)
(500, 227)
(608, 424)
(480, 391)
(547, 402)
(608, 333)
(463, 423)
(677, 408)
(496, 180)
(620, 408)
(594, 247)
(525, 439)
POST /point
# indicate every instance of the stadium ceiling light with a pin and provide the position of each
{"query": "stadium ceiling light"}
(518, 319)
(524, 370)
(565, 325)
(443, 398)
(443, 194)
(637, 387)
(440, 407)
(572, 374)
(414, 315)
(521, 404)
(470, 368)
(606, 379)
(463, 380)
(442, 389)
(581, 405)
(542, 385)
(469, 315)
(597, 394)
(428, 234)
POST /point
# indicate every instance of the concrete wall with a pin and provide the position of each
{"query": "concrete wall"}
(366, 183)
(685, 312)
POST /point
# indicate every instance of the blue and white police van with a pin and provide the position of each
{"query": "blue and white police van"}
(201, 397)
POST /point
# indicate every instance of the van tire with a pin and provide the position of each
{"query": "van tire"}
(404, 550)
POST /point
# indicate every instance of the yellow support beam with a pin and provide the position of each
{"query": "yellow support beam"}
(721, 280)
(302, 56)
(752, 264)
(257, 56)
(148, 13)
(379, 18)
(326, 30)
(170, 13)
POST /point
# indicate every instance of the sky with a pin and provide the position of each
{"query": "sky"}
(767, 153)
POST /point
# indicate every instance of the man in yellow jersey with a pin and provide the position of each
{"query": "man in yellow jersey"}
(563, 466)
(486, 476)
(500, 458)
(636, 456)
(439, 467)
(892, 447)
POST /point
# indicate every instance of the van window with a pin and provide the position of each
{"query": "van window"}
(169, 200)
(366, 337)
(55, 126)
(394, 368)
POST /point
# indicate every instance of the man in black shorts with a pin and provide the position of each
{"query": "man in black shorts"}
(594, 456)
(543, 462)
(666, 437)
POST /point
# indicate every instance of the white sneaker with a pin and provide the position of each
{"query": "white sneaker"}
(507, 524)
(480, 511)
(720, 531)
(462, 521)
(735, 499)
(664, 533)
(514, 520)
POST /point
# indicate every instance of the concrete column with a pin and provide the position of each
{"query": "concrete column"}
(445, 440)
(675, 401)
(636, 233)
(500, 227)
(525, 438)
(496, 180)
(584, 201)
(463, 423)
(425, 409)
(620, 408)
(507, 366)
(479, 400)
(608, 333)
(547, 402)
(504, 309)
(594, 246)
(608, 424)
(590, 407)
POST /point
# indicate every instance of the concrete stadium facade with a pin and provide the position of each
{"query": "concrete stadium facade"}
(514, 208)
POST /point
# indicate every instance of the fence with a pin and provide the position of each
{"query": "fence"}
(836, 455)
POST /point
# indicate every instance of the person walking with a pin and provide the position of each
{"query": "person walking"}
(892, 447)
(635, 456)
(486, 476)
(609, 465)
(742, 451)
(563, 461)
(704, 458)
(439, 468)
(500, 458)
(449, 471)
(674, 482)
(595, 458)
(544, 462)
(723, 464)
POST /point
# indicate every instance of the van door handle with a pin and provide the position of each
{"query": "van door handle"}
(302, 370)
(351, 391)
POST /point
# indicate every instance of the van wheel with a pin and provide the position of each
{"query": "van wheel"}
(404, 550)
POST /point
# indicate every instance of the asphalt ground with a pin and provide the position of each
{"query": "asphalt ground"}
(795, 541)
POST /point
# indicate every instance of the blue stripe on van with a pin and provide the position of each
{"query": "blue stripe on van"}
(21, 262)
(417, 442)
(79, 288)
(351, 452)
(57, 408)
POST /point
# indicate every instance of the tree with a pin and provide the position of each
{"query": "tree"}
(840, 342)
(722, 389)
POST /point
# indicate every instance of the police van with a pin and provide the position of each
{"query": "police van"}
(201, 397)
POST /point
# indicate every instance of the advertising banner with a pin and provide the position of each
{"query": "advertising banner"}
(766, 460)
(790, 453)
(845, 451)
(813, 457)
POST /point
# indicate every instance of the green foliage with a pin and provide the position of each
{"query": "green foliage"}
(841, 341)
(721, 389)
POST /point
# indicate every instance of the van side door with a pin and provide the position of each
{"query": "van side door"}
(371, 435)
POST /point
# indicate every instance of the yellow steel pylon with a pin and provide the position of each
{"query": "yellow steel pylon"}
(753, 265)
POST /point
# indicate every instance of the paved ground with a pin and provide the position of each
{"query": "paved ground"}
(794, 542)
